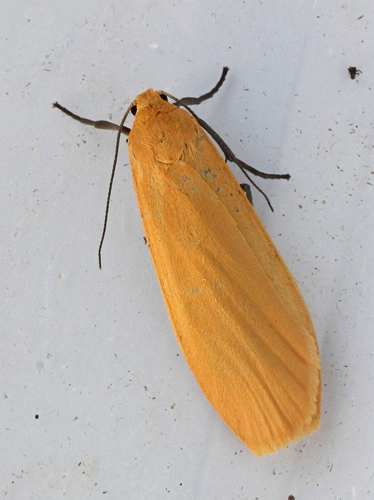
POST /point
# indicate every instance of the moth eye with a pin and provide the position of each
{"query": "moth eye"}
(164, 97)
(134, 110)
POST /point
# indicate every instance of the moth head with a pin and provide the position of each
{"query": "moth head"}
(149, 99)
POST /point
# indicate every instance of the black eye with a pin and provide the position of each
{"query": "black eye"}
(134, 110)
(164, 97)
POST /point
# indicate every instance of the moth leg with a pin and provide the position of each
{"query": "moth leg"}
(191, 101)
(100, 124)
(247, 190)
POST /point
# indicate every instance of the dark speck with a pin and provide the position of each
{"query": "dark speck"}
(353, 72)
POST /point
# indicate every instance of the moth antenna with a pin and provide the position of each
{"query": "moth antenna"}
(119, 133)
(192, 101)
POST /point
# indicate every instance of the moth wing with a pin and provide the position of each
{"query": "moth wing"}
(258, 368)
(236, 311)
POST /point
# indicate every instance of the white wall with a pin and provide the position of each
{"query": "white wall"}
(92, 352)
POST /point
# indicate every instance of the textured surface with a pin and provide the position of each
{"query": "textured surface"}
(93, 353)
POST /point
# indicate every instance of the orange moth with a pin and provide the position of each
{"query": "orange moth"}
(236, 311)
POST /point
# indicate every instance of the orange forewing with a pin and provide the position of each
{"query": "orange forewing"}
(236, 311)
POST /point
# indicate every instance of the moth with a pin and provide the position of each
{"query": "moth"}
(236, 311)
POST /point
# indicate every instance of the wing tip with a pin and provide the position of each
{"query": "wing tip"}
(309, 426)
